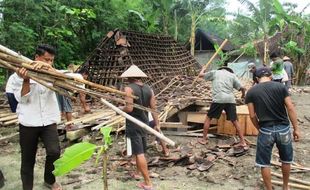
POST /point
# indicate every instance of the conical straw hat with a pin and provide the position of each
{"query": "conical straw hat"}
(286, 58)
(133, 71)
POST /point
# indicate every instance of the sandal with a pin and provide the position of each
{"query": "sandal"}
(245, 147)
(145, 187)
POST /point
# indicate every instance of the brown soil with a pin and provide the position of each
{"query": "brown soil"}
(231, 173)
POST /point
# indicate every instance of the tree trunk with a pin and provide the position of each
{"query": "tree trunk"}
(193, 30)
(266, 50)
(176, 26)
(165, 22)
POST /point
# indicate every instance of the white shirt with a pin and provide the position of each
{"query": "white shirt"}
(14, 81)
(37, 108)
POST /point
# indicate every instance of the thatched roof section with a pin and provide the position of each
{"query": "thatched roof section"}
(160, 57)
(206, 41)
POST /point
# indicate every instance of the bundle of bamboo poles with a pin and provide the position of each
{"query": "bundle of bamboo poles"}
(58, 81)
(7, 118)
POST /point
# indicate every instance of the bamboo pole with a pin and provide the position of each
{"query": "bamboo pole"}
(12, 53)
(34, 76)
(89, 118)
(27, 65)
(10, 117)
(138, 122)
(238, 57)
(10, 122)
(109, 122)
(291, 179)
(211, 59)
(8, 137)
(61, 84)
(293, 167)
(297, 186)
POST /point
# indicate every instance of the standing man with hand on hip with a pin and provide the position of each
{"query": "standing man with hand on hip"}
(224, 81)
(38, 114)
(269, 107)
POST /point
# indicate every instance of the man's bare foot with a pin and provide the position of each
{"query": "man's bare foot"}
(54, 186)
(203, 141)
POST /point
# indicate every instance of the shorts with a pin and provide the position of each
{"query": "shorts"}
(217, 108)
(267, 137)
(138, 145)
(64, 103)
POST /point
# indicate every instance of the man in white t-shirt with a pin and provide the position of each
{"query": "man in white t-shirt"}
(38, 115)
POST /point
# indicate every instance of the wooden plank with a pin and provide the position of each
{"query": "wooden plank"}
(196, 117)
(250, 128)
(173, 125)
(73, 135)
(177, 133)
(183, 117)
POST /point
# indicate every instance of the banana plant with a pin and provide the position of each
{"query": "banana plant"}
(77, 154)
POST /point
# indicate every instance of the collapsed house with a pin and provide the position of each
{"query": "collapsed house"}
(160, 57)
(170, 67)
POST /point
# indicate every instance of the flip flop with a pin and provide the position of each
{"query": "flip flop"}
(245, 147)
(145, 187)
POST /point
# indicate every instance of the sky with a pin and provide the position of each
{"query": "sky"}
(234, 5)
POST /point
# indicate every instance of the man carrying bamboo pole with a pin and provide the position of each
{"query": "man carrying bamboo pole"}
(269, 107)
(136, 135)
(224, 81)
(38, 114)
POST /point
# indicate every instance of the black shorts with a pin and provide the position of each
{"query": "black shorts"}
(138, 145)
(217, 108)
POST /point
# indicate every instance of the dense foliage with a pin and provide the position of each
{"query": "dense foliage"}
(76, 27)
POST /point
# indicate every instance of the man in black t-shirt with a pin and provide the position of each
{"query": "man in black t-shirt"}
(136, 136)
(268, 104)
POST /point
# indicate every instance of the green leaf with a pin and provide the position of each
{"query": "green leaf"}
(70, 11)
(73, 157)
(106, 135)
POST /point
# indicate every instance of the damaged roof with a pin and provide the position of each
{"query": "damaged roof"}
(160, 57)
(206, 41)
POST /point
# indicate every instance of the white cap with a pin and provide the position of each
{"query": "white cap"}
(133, 71)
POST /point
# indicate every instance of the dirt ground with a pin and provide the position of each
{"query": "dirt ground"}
(233, 173)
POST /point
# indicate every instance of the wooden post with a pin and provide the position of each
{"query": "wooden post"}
(211, 59)
(138, 122)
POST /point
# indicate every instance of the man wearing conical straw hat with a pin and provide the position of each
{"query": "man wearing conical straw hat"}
(136, 136)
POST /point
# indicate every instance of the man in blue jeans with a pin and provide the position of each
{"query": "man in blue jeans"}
(270, 106)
